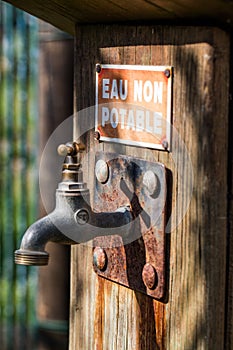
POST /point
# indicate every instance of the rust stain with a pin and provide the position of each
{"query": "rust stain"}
(160, 323)
(151, 324)
(99, 314)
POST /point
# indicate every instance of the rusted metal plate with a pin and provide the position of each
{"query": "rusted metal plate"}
(137, 259)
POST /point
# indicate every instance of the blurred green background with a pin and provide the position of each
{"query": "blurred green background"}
(19, 169)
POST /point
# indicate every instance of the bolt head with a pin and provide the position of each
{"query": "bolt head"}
(149, 276)
(165, 144)
(98, 68)
(82, 216)
(100, 258)
(150, 181)
(101, 171)
(167, 73)
(96, 135)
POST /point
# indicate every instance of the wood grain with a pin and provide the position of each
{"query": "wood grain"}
(105, 315)
(65, 14)
(229, 280)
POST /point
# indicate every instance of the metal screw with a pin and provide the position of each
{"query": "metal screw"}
(98, 68)
(149, 276)
(150, 181)
(96, 135)
(167, 73)
(101, 171)
(82, 216)
(100, 258)
(165, 144)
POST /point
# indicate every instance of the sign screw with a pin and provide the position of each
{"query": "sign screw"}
(98, 68)
(96, 135)
(167, 73)
(100, 258)
(165, 144)
(101, 171)
(149, 276)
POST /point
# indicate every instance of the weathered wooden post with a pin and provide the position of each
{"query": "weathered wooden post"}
(195, 310)
(193, 316)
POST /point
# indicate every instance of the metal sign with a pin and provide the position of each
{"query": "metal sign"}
(133, 105)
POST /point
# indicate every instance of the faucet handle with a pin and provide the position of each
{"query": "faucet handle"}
(70, 149)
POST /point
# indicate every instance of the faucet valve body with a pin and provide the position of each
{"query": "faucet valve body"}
(73, 221)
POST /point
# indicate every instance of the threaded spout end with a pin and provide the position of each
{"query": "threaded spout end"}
(31, 258)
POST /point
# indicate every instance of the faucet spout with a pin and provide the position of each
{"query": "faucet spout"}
(32, 248)
(73, 221)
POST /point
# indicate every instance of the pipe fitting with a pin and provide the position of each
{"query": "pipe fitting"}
(32, 249)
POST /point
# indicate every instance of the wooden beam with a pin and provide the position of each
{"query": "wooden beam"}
(65, 14)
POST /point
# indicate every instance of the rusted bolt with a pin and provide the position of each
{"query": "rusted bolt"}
(101, 171)
(96, 135)
(165, 144)
(98, 68)
(100, 258)
(149, 276)
(150, 181)
(167, 73)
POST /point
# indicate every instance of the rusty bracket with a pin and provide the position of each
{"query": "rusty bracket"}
(137, 259)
